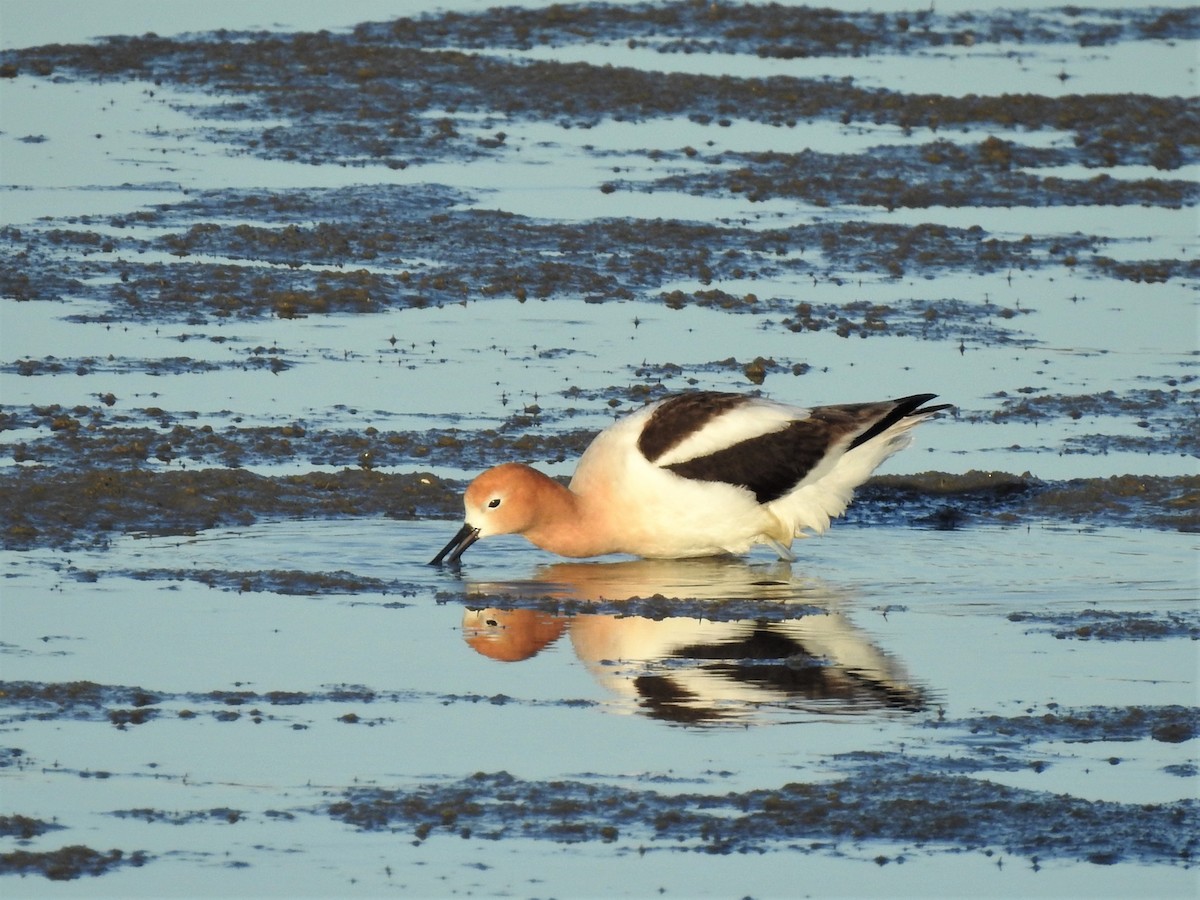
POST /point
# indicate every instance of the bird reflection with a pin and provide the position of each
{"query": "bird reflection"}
(766, 640)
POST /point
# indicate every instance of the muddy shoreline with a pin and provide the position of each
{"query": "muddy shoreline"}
(89, 507)
(874, 802)
(237, 256)
(367, 69)
(352, 261)
(892, 244)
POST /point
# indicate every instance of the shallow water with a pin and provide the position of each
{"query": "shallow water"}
(415, 685)
(958, 689)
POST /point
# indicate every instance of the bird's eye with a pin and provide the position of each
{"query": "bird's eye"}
(493, 503)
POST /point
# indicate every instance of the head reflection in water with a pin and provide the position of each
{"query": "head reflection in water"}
(511, 635)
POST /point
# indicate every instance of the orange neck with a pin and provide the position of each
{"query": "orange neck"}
(566, 524)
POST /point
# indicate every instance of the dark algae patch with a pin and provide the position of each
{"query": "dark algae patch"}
(943, 501)
(24, 827)
(67, 863)
(1170, 724)
(67, 697)
(1110, 625)
(364, 234)
(931, 797)
(421, 61)
(44, 506)
(783, 31)
(126, 709)
(994, 172)
(359, 259)
(886, 800)
(90, 506)
(91, 436)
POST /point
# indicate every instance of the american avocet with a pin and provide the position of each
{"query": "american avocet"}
(695, 474)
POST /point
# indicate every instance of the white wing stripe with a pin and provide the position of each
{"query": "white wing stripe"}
(749, 420)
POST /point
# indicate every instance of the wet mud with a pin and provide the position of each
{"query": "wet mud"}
(210, 266)
(782, 30)
(94, 505)
(478, 254)
(350, 260)
(24, 827)
(991, 173)
(1168, 416)
(368, 69)
(90, 506)
(67, 863)
(1108, 625)
(475, 255)
(877, 803)
(238, 255)
(125, 707)
(874, 800)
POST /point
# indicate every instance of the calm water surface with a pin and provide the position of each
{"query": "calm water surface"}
(277, 695)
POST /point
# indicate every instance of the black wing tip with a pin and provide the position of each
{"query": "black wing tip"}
(902, 408)
(915, 406)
